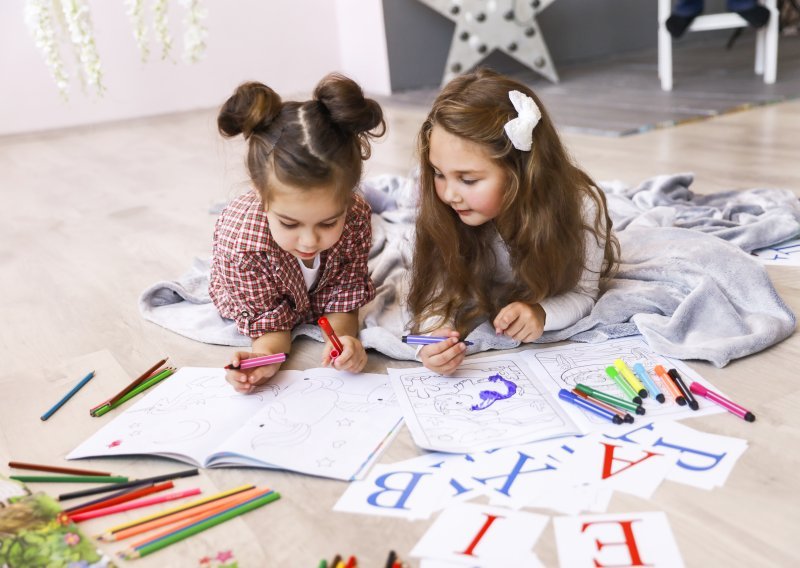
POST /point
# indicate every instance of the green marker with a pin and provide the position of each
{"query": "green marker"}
(609, 399)
(626, 388)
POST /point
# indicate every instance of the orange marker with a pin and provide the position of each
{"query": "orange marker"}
(670, 384)
(337, 345)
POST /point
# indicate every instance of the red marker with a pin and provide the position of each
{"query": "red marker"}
(337, 345)
(728, 405)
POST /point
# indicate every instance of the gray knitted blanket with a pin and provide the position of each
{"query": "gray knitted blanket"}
(686, 281)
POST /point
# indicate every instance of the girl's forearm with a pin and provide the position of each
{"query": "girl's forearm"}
(344, 323)
(273, 342)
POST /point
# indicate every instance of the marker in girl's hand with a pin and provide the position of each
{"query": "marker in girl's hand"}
(427, 339)
(258, 361)
(337, 344)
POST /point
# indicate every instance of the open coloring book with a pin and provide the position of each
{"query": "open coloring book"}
(503, 400)
(319, 421)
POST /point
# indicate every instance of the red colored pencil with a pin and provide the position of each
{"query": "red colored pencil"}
(137, 505)
(122, 498)
(56, 469)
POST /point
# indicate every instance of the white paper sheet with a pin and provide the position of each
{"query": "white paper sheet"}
(341, 420)
(480, 535)
(626, 539)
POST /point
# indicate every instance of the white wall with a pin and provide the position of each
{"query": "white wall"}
(362, 44)
(287, 44)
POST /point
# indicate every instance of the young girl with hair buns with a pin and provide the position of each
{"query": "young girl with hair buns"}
(295, 247)
(509, 228)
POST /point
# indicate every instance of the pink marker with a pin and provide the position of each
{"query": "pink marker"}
(728, 405)
(259, 361)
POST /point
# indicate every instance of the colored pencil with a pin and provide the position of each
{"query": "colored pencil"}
(69, 479)
(143, 377)
(197, 515)
(155, 379)
(122, 507)
(67, 396)
(177, 509)
(107, 402)
(200, 526)
(54, 469)
(120, 493)
(189, 510)
(259, 361)
(134, 483)
(390, 560)
(124, 498)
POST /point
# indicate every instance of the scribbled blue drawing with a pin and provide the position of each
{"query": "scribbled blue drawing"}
(489, 397)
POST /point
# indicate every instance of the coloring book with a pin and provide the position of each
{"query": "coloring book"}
(319, 421)
(503, 400)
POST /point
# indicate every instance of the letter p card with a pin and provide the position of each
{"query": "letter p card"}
(616, 541)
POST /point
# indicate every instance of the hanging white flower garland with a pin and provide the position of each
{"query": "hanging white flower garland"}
(75, 19)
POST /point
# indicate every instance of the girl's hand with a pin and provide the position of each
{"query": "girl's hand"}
(246, 380)
(353, 357)
(444, 357)
(520, 321)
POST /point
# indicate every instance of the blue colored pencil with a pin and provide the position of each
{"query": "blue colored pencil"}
(68, 396)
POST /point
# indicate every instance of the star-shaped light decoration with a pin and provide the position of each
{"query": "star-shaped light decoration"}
(485, 25)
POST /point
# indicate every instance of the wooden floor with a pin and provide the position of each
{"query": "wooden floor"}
(94, 215)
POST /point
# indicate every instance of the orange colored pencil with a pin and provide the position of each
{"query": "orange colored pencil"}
(123, 498)
(196, 518)
(181, 515)
(161, 514)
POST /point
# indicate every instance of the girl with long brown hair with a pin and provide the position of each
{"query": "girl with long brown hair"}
(509, 228)
(295, 247)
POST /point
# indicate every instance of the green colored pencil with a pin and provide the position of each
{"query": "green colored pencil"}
(141, 388)
(69, 478)
(200, 526)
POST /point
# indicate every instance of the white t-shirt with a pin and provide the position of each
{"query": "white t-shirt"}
(310, 274)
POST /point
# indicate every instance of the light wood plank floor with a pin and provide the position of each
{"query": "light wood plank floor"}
(94, 215)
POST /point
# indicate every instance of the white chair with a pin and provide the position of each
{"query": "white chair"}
(766, 40)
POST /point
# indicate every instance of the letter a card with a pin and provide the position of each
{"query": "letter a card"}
(621, 539)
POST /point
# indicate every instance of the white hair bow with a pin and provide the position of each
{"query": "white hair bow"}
(520, 129)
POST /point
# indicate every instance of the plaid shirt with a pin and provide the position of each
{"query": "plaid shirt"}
(260, 285)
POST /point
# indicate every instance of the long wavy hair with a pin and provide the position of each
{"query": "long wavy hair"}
(541, 219)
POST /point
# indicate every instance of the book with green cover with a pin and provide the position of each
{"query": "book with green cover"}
(34, 533)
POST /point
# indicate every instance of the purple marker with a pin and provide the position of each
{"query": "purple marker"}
(728, 405)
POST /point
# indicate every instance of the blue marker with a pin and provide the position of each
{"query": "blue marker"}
(427, 339)
(67, 396)
(564, 394)
(644, 376)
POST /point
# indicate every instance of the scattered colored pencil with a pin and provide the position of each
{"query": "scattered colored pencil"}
(143, 377)
(200, 526)
(69, 478)
(67, 396)
(161, 514)
(120, 493)
(390, 560)
(196, 515)
(124, 498)
(78, 517)
(134, 483)
(54, 469)
(155, 379)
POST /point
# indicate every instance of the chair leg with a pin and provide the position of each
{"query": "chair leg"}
(664, 46)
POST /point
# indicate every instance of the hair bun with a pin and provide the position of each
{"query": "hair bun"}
(346, 105)
(253, 106)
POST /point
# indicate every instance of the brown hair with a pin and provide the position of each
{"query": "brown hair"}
(540, 221)
(304, 144)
